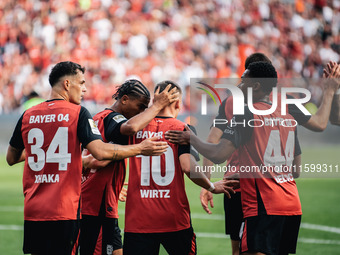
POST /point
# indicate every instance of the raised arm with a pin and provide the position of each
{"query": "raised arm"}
(138, 122)
(318, 122)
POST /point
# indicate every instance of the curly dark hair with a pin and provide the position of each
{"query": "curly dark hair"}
(132, 88)
(256, 57)
(265, 74)
(64, 68)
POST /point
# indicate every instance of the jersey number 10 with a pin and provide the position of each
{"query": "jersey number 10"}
(155, 169)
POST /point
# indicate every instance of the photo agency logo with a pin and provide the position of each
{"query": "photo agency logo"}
(243, 98)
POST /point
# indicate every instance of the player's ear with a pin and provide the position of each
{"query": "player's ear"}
(256, 86)
(177, 104)
(124, 99)
(66, 84)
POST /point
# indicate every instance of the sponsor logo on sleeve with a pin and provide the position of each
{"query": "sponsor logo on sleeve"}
(118, 118)
(94, 127)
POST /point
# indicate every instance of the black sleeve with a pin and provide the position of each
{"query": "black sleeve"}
(238, 131)
(87, 129)
(221, 115)
(16, 139)
(193, 151)
(182, 149)
(297, 150)
(298, 115)
(112, 124)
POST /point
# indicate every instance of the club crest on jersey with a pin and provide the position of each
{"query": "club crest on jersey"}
(118, 118)
(94, 127)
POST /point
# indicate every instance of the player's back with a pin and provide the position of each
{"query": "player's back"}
(52, 171)
(267, 182)
(156, 200)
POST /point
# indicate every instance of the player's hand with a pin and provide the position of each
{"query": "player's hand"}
(235, 176)
(179, 137)
(166, 97)
(153, 147)
(206, 197)
(226, 187)
(123, 194)
(332, 73)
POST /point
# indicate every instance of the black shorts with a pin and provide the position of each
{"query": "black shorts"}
(90, 228)
(175, 243)
(233, 215)
(50, 237)
(270, 234)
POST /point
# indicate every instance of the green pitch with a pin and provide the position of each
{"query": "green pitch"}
(320, 198)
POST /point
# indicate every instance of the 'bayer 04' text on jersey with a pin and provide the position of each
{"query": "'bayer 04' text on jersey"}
(109, 180)
(52, 133)
(156, 199)
(266, 154)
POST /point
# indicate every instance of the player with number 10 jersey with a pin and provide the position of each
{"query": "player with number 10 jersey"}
(156, 200)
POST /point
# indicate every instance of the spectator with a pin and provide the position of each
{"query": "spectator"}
(159, 40)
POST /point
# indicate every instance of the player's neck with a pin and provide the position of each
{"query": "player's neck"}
(265, 98)
(116, 107)
(56, 94)
(168, 112)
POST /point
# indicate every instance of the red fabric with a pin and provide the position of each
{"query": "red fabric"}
(109, 179)
(279, 198)
(166, 208)
(56, 194)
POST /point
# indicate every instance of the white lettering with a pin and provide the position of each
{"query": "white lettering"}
(155, 193)
(219, 122)
(46, 178)
(284, 178)
(149, 134)
(238, 100)
(42, 119)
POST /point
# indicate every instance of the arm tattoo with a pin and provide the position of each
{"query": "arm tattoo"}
(115, 153)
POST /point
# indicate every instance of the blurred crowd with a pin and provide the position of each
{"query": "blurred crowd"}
(154, 40)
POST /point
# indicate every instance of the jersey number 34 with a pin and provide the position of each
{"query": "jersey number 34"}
(52, 155)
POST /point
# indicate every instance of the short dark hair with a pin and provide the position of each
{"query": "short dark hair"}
(256, 57)
(264, 73)
(163, 84)
(64, 68)
(133, 88)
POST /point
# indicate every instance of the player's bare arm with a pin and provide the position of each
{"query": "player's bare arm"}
(148, 147)
(217, 153)
(206, 196)
(90, 162)
(14, 155)
(138, 122)
(188, 165)
(318, 122)
(297, 166)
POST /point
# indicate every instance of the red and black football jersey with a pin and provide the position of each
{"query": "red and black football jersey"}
(52, 133)
(265, 154)
(156, 200)
(107, 181)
